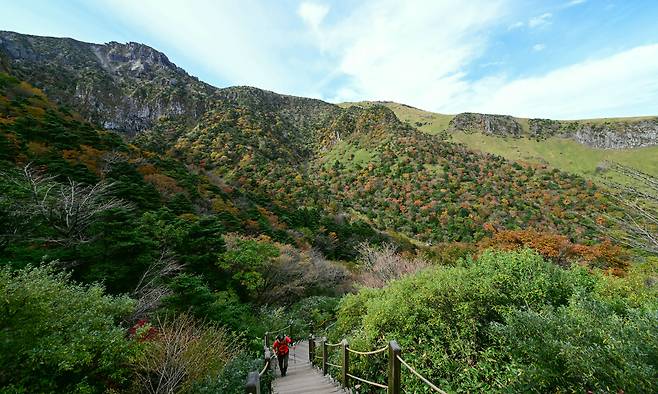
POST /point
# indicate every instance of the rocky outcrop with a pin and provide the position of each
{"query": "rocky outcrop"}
(498, 125)
(124, 87)
(131, 87)
(602, 134)
(614, 134)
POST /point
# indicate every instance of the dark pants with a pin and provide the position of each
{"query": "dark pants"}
(283, 363)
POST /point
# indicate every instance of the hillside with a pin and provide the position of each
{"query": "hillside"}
(293, 151)
(157, 226)
(580, 146)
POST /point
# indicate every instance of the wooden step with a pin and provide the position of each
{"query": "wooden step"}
(302, 377)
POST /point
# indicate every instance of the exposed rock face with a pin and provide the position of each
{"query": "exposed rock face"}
(130, 87)
(499, 125)
(612, 134)
(125, 87)
(617, 135)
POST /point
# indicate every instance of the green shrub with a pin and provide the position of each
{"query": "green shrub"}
(481, 327)
(233, 377)
(59, 336)
(581, 346)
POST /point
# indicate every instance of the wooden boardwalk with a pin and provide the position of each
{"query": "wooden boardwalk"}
(302, 377)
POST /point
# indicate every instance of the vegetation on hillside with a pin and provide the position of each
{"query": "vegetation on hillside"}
(159, 236)
(549, 149)
(157, 263)
(511, 322)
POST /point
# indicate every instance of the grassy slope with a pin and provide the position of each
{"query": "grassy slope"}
(431, 123)
(348, 155)
(560, 153)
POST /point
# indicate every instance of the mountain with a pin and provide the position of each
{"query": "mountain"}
(604, 133)
(154, 227)
(579, 146)
(286, 155)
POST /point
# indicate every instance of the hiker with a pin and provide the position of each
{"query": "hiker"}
(282, 349)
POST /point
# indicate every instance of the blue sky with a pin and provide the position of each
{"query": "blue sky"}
(561, 59)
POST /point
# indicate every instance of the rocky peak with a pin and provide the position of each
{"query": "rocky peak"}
(132, 58)
(498, 125)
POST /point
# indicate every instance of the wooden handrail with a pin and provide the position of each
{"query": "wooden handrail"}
(252, 385)
(395, 363)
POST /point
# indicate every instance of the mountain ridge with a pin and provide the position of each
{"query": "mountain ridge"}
(602, 133)
(299, 152)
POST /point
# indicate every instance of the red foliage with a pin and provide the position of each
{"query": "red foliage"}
(560, 250)
(149, 335)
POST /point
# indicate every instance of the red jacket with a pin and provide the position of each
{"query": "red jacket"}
(282, 347)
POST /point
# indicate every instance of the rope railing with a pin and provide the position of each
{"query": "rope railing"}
(421, 377)
(368, 353)
(268, 362)
(267, 334)
(383, 386)
(395, 362)
(252, 386)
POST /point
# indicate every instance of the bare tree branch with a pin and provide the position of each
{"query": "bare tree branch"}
(183, 352)
(150, 291)
(638, 225)
(68, 208)
(383, 264)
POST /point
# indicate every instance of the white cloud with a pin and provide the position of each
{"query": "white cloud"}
(312, 13)
(413, 53)
(538, 47)
(515, 25)
(624, 84)
(541, 20)
(418, 54)
(574, 2)
(244, 43)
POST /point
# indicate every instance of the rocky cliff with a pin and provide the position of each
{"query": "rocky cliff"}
(499, 125)
(130, 87)
(599, 133)
(124, 87)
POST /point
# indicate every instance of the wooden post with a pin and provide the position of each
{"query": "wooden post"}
(267, 357)
(311, 349)
(346, 363)
(253, 383)
(324, 356)
(268, 362)
(394, 351)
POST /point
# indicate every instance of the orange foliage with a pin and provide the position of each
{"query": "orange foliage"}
(147, 169)
(37, 148)
(165, 184)
(560, 250)
(87, 156)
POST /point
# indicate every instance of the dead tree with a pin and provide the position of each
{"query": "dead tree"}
(150, 290)
(382, 264)
(69, 208)
(637, 225)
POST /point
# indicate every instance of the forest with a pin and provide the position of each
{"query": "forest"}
(157, 263)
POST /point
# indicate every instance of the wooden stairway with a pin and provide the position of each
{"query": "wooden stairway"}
(302, 377)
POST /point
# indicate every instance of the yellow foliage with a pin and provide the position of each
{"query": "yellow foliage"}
(37, 148)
